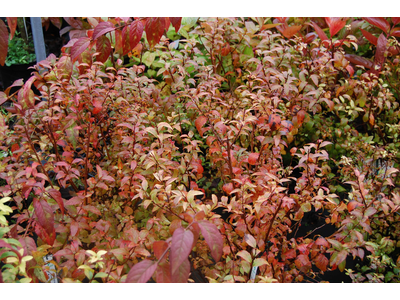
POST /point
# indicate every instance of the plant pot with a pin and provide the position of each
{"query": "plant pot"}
(9, 74)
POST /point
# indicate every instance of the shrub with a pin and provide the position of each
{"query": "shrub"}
(122, 172)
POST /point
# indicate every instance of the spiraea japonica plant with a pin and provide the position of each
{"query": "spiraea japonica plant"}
(205, 156)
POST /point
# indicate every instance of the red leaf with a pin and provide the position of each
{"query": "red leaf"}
(92, 209)
(135, 33)
(291, 253)
(310, 37)
(28, 244)
(45, 219)
(395, 20)
(3, 42)
(370, 37)
(101, 29)
(163, 274)
(4, 244)
(79, 47)
(159, 248)
(195, 229)
(176, 22)
(335, 25)
(125, 41)
(320, 32)
(103, 45)
(253, 157)
(181, 275)
(380, 50)
(181, 245)
(12, 25)
(395, 32)
(154, 30)
(77, 24)
(118, 42)
(74, 228)
(370, 211)
(167, 23)
(350, 70)
(44, 214)
(56, 21)
(303, 263)
(358, 60)
(56, 195)
(213, 238)
(97, 107)
(321, 262)
(199, 123)
(291, 31)
(379, 22)
(322, 242)
(141, 272)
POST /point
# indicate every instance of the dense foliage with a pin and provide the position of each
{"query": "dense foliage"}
(160, 148)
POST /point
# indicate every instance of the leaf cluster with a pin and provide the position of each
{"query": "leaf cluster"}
(205, 155)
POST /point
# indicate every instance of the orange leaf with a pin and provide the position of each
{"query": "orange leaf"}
(228, 187)
(159, 248)
(253, 157)
(269, 26)
(352, 205)
(199, 123)
(174, 225)
(274, 122)
(12, 24)
(291, 31)
(321, 262)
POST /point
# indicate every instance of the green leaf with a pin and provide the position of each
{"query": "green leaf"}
(245, 255)
(250, 240)
(101, 275)
(148, 58)
(188, 22)
(192, 194)
(260, 262)
(88, 271)
(72, 133)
